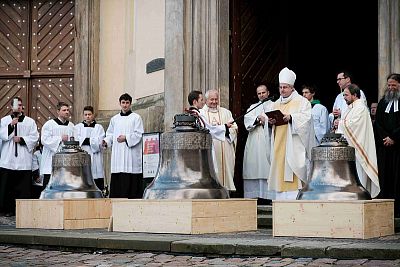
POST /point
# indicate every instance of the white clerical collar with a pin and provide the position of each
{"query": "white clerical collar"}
(389, 106)
(285, 100)
(213, 110)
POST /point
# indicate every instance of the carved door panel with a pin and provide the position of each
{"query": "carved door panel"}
(37, 55)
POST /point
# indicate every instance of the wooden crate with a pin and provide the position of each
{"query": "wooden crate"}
(63, 213)
(189, 216)
(336, 219)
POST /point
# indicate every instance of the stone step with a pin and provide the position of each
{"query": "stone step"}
(264, 221)
(264, 209)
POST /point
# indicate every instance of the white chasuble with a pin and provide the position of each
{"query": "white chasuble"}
(224, 150)
(356, 126)
(291, 146)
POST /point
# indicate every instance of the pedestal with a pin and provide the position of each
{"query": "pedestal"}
(336, 219)
(63, 213)
(189, 216)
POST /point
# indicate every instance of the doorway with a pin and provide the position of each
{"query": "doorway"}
(37, 55)
(269, 35)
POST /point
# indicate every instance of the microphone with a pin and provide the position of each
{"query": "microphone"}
(261, 102)
(272, 98)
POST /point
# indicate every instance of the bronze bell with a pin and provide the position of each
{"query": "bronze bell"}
(186, 169)
(71, 175)
(333, 172)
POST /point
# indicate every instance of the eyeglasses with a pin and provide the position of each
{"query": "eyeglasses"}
(341, 78)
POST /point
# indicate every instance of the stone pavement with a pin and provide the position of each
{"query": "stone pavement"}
(247, 244)
(22, 256)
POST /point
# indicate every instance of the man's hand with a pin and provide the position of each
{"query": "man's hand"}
(64, 137)
(104, 144)
(287, 117)
(261, 119)
(229, 124)
(387, 141)
(17, 139)
(121, 138)
(14, 121)
(336, 112)
(335, 124)
(271, 121)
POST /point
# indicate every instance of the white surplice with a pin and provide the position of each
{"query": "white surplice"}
(51, 138)
(224, 150)
(289, 162)
(96, 135)
(26, 129)
(126, 157)
(320, 121)
(256, 160)
(356, 126)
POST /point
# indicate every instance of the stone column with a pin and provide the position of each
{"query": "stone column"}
(388, 41)
(196, 51)
(86, 84)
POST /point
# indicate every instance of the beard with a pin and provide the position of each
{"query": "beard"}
(392, 95)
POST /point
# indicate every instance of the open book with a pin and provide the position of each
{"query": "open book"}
(277, 115)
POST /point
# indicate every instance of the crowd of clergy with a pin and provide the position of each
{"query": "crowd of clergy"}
(277, 154)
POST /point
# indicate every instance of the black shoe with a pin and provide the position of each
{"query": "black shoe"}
(10, 214)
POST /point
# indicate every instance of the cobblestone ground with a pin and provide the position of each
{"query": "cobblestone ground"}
(23, 256)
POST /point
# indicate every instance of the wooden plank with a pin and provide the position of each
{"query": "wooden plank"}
(46, 214)
(378, 219)
(86, 224)
(95, 208)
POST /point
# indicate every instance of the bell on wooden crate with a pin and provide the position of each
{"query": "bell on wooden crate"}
(333, 172)
(186, 169)
(71, 175)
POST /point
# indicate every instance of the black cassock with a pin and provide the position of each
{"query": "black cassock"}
(388, 124)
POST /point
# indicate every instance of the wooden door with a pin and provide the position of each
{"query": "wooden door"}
(257, 55)
(37, 55)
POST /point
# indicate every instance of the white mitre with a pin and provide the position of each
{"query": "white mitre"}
(287, 76)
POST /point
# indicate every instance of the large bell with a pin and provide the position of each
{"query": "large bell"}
(333, 172)
(186, 170)
(71, 175)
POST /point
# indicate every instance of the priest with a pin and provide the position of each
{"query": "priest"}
(356, 126)
(124, 136)
(387, 137)
(19, 136)
(54, 133)
(90, 135)
(224, 150)
(256, 160)
(291, 142)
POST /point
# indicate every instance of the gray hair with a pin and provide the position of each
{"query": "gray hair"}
(210, 91)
